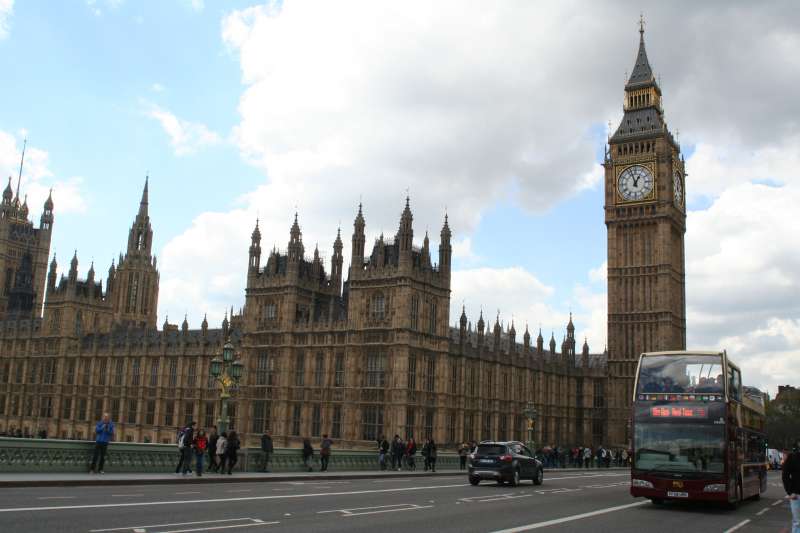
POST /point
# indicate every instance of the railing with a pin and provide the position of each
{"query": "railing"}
(55, 455)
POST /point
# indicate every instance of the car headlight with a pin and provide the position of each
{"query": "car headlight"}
(715, 487)
(641, 483)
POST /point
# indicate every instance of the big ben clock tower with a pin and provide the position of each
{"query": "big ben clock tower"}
(646, 221)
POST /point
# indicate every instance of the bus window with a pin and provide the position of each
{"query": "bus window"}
(681, 374)
(735, 384)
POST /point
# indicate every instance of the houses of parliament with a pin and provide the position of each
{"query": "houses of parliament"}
(355, 352)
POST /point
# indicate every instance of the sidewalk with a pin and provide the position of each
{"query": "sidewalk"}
(13, 480)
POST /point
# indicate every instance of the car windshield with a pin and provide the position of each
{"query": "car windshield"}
(700, 374)
(671, 447)
(491, 449)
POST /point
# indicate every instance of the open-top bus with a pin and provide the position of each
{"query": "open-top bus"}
(698, 433)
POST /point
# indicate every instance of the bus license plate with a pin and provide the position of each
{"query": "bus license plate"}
(677, 494)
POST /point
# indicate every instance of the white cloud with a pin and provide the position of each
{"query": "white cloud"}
(185, 137)
(197, 5)
(462, 102)
(6, 10)
(157, 88)
(599, 274)
(38, 179)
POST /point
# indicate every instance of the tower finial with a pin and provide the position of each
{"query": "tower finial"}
(641, 25)
(21, 161)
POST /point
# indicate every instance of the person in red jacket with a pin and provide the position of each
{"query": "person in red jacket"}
(200, 446)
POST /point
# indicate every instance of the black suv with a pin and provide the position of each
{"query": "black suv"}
(504, 461)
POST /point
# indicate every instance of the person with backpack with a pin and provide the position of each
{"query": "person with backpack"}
(324, 453)
(231, 451)
(411, 452)
(308, 454)
(200, 445)
(222, 444)
(185, 439)
(463, 451)
(791, 484)
(398, 452)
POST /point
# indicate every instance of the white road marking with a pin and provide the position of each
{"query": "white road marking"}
(125, 495)
(258, 524)
(56, 497)
(777, 503)
(557, 521)
(240, 490)
(223, 500)
(172, 524)
(737, 526)
(762, 511)
(378, 509)
(189, 492)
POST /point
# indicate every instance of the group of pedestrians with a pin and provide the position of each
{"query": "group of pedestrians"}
(583, 457)
(324, 453)
(193, 446)
(402, 454)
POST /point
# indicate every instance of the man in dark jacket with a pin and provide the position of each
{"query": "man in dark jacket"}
(266, 449)
(791, 484)
(185, 440)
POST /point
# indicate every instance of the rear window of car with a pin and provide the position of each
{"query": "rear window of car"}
(491, 449)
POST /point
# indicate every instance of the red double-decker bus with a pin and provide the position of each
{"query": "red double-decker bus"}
(698, 433)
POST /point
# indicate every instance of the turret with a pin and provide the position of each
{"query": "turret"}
(481, 328)
(295, 250)
(8, 194)
(462, 325)
(526, 340)
(73, 268)
(336, 263)
(497, 331)
(51, 274)
(445, 251)
(540, 343)
(46, 220)
(357, 260)
(255, 250)
(585, 353)
(512, 338)
(185, 325)
(90, 276)
(552, 343)
(23, 211)
(204, 325)
(405, 234)
(426, 252)
(112, 273)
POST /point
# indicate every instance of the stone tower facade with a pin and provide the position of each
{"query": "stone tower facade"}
(24, 252)
(646, 222)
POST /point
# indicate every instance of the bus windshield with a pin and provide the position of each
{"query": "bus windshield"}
(677, 447)
(700, 374)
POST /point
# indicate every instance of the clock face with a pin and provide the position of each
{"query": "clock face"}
(677, 188)
(635, 183)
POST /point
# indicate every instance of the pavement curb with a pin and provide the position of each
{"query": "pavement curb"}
(97, 480)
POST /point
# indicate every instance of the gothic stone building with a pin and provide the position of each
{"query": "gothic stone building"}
(356, 358)
(355, 353)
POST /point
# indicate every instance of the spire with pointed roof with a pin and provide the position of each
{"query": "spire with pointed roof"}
(143, 202)
(642, 73)
(405, 233)
(8, 193)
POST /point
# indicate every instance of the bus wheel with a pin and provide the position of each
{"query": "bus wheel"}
(657, 501)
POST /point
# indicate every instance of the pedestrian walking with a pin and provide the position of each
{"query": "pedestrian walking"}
(267, 449)
(383, 450)
(308, 454)
(103, 433)
(791, 484)
(213, 437)
(325, 453)
(587, 457)
(411, 452)
(231, 452)
(200, 445)
(398, 453)
(463, 451)
(222, 444)
(432, 453)
(185, 440)
(425, 456)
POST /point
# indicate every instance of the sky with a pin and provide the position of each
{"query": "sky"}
(494, 113)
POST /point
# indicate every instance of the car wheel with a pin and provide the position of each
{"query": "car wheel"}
(515, 478)
(539, 477)
(500, 481)
(657, 501)
(474, 480)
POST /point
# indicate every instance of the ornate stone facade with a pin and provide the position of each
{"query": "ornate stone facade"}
(646, 220)
(373, 354)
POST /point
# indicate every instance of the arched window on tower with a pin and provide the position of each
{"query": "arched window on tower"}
(140, 241)
(378, 307)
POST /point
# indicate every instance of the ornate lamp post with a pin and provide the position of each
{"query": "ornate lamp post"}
(530, 413)
(227, 373)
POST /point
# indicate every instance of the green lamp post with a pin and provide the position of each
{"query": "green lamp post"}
(227, 373)
(530, 413)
